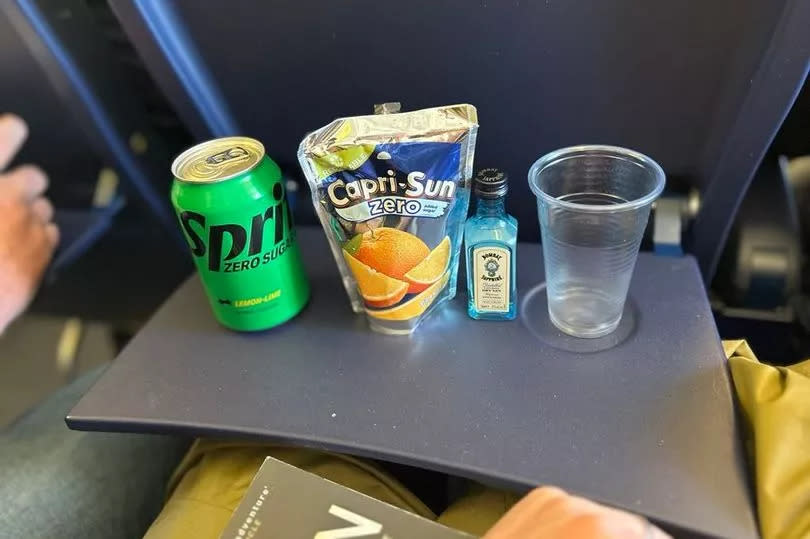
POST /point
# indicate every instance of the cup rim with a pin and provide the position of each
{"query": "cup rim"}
(612, 151)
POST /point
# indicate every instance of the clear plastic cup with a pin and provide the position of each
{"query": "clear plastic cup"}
(593, 203)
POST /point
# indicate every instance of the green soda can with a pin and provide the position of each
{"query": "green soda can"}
(230, 200)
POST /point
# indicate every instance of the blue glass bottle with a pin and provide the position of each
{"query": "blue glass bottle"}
(490, 241)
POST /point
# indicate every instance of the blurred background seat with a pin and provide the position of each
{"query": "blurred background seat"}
(762, 286)
(700, 87)
(103, 132)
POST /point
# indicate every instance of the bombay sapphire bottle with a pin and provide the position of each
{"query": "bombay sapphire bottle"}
(490, 241)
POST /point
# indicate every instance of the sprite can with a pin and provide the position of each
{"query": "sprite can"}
(230, 200)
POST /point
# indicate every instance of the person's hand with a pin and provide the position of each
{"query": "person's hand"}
(27, 235)
(550, 513)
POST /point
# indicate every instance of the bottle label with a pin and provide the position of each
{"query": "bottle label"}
(491, 273)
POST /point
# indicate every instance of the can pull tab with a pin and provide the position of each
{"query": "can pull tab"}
(388, 108)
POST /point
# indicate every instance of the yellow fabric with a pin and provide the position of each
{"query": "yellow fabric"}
(776, 405)
(214, 475)
(479, 509)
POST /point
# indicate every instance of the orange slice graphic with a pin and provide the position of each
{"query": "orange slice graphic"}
(377, 289)
(430, 269)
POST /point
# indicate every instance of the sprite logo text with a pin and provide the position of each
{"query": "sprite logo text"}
(208, 240)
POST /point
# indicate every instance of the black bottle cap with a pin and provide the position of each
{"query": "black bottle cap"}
(490, 183)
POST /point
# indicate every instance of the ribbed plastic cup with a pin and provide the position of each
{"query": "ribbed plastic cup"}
(593, 203)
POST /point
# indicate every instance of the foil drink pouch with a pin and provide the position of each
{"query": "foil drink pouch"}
(392, 192)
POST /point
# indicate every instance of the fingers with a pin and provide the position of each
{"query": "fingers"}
(42, 209)
(550, 512)
(13, 133)
(43, 237)
(52, 234)
(652, 532)
(21, 194)
(26, 182)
